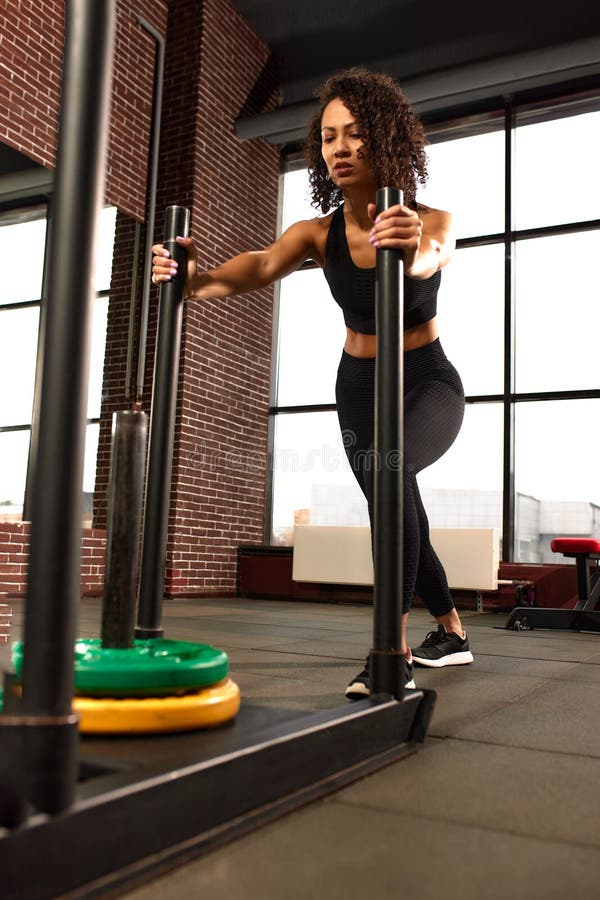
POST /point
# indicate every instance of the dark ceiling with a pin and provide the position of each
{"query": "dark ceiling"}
(407, 38)
(464, 50)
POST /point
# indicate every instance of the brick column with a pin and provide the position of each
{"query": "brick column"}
(216, 69)
(219, 464)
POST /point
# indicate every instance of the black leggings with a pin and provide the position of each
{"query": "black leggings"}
(434, 405)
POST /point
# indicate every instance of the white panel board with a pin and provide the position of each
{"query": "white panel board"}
(336, 554)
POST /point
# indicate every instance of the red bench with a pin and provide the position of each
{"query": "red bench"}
(587, 553)
(584, 616)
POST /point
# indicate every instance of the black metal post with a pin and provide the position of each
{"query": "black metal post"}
(387, 660)
(125, 497)
(508, 406)
(53, 590)
(159, 67)
(162, 431)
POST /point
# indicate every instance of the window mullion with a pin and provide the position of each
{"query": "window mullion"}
(508, 456)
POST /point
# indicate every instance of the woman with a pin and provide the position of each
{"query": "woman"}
(365, 135)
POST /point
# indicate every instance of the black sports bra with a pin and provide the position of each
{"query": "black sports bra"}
(354, 288)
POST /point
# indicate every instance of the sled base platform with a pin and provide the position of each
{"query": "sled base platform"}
(528, 618)
(145, 804)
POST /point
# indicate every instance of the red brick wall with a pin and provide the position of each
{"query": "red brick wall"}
(213, 62)
(221, 436)
(14, 555)
(219, 463)
(216, 70)
(31, 38)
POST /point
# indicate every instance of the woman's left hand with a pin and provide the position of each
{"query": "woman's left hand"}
(397, 228)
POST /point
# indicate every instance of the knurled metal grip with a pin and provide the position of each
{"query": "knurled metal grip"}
(387, 197)
(177, 224)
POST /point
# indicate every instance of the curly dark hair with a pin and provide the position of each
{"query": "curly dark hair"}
(394, 138)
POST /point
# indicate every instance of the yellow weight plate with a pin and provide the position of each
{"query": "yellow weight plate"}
(205, 708)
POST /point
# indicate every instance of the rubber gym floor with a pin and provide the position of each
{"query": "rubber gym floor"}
(502, 801)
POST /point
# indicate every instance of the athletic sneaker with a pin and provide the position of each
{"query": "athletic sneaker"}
(360, 686)
(443, 648)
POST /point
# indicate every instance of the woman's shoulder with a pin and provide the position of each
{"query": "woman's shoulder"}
(316, 226)
(430, 212)
(320, 223)
(438, 226)
(436, 221)
(315, 231)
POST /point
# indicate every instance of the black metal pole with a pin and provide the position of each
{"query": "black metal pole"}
(508, 406)
(162, 431)
(387, 660)
(125, 497)
(53, 589)
(159, 67)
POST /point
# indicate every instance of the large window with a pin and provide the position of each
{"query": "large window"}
(23, 243)
(518, 314)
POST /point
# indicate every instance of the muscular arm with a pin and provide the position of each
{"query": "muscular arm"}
(436, 245)
(255, 269)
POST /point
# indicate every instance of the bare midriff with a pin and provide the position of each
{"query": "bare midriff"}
(364, 346)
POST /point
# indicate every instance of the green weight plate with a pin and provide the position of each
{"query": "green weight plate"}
(153, 667)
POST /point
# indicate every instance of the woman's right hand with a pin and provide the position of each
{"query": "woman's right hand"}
(164, 267)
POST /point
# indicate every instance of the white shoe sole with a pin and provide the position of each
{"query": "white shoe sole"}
(356, 691)
(453, 659)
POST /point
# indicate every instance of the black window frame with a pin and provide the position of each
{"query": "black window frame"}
(497, 113)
